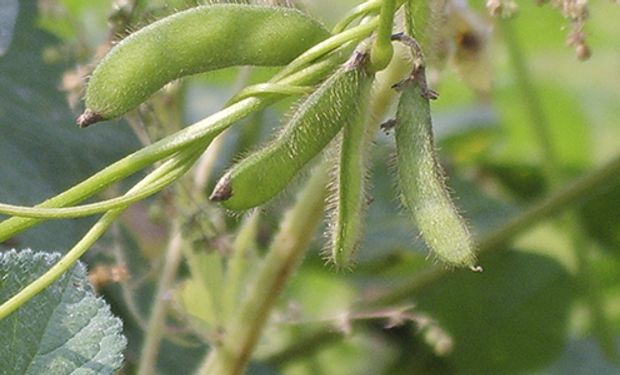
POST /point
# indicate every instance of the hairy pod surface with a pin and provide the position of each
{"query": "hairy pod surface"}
(196, 40)
(319, 118)
(349, 201)
(421, 181)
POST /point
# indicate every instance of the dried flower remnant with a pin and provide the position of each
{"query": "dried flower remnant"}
(470, 37)
(576, 11)
(502, 8)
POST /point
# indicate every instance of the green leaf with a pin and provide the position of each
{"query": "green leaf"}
(66, 329)
(508, 319)
(569, 133)
(601, 219)
(526, 182)
(360, 354)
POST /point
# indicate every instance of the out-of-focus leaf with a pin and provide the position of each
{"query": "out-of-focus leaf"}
(463, 128)
(8, 15)
(261, 369)
(583, 357)
(319, 294)
(525, 181)
(360, 354)
(510, 318)
(568, 129)
(66, 329)
(602, 219)
(42, 151)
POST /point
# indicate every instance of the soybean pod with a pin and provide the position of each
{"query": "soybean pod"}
(196, 40)
(318, 119)
(421, 180)
(348, 200)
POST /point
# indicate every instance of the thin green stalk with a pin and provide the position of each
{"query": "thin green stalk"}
(92, 208)
(58, 269)
(68, 260)
(202, 132)
(352, 35)
(157, 320)
(372, 6)
(383, 94)
(270, 88)
(286, 251)
(382, 50)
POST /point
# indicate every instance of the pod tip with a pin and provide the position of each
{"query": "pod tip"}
(222, 190)
(476, 269)
(88, 117)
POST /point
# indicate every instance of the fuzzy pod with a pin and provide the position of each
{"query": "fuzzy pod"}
(348, 200)
(421, 180)
(318, 119)
(193, 41)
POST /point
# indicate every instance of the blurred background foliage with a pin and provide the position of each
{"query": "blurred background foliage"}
(549, 299)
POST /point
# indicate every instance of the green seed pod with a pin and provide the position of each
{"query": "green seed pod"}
(319, 118)
(348, 200)
(193, 41)
(421, 180)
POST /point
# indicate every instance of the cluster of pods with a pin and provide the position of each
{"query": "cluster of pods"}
(215, 36)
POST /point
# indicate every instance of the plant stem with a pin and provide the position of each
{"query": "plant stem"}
(357, 12)
(157, 320)
(201, 132)
(383, 94)
(286, 251)
(92, 208)
(97, 230)
(382, 50)
(336, 41)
